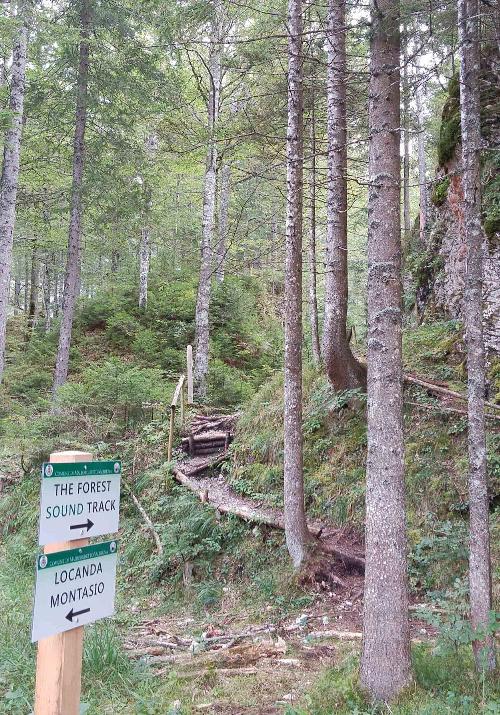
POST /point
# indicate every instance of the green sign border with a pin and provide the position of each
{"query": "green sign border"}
(82, 469)
(61, 558)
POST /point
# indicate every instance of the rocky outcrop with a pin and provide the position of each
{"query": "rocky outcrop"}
(439, 266)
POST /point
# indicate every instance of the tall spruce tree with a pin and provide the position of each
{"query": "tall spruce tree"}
(10, 169)
(479, 556)
(342, 368)
(295, 521)
(73, 260)
(385, 662)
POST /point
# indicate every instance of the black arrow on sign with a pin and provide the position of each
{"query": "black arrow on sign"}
(73, 614)
(88, 525)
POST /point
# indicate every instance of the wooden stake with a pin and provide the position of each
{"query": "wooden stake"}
(190, 374)
(59, 657)
(182, 406)
(171, 433)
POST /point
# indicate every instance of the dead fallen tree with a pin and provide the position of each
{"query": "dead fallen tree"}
(445, 391)
(248, 511)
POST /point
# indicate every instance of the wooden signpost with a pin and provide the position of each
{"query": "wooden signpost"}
(75, 581)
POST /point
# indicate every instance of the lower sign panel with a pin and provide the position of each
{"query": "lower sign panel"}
(74, 588)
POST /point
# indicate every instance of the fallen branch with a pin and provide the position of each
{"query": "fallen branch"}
(438, 389)
(149, 524)
(453, 410)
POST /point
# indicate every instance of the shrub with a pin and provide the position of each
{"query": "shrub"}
(121, 330)
(227, 385)
(114, 389)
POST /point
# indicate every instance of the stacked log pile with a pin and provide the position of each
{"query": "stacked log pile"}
(209, 434)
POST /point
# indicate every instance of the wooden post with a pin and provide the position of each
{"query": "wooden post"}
(190, 374)
(170, 434)
(59, 657)
(182, 406)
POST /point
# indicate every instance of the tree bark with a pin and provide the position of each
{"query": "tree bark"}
(385, 662)
(46, 294)
(34, 286)
(143, 267)
(73, 262)
(406, 147)
(202, 328)
(10, 172)
(225, 187)
(296, 533)
(313, 290)
(479, 556)
(342, 368)
(422, 168)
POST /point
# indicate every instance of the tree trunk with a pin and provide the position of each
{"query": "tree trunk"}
(10, 173)
(422, 168)
(17, 293)
(115, 260)
(406, 147)
(225, 188)
(34, 286)
(73, 263)
(385, 662)
(295, 521)
(143, 267)
(313, 292)
(46, 295)
(479, 557)
(202, 330)
(342, 368)
(55, 270)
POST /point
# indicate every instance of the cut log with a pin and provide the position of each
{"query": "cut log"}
(270, 517)
(207, 437)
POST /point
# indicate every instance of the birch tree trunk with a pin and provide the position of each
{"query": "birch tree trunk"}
(342, 368)
(295, 521)
(422, 168)
(479, 556)
(202, 329)
(225, 187)
(385, 662)
(313, 283)
(46, 294)
(10, 172)
(143, 267)
(73, 261)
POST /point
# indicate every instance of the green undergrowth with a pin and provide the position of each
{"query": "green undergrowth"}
(442, 685)
(123, 357)
(335, 440)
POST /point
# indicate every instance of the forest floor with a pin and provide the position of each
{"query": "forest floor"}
(255, 668)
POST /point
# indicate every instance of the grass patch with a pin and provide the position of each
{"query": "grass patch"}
(442, 686)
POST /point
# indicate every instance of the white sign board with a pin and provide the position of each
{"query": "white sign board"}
(73, 588)
(79, 499)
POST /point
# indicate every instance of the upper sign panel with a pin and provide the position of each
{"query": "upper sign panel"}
(78, 500)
